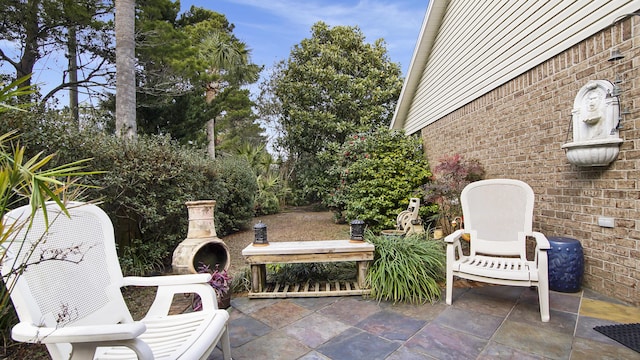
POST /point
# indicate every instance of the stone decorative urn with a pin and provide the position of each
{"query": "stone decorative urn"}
(595, 117)
(202, 245)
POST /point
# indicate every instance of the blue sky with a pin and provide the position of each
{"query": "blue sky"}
(272, 28)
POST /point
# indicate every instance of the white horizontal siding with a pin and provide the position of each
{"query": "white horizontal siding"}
(483, 44)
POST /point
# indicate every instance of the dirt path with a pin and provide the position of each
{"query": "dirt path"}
(294, 224)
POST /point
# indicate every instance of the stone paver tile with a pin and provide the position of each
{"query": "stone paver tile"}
(391, 325)
(498, 351)
(592, 295)
(529, 314)
(358, 344)
(500, 292)
(280, 314)
(314, 355)
(314, 303)
(610, 311)
(244, 328)
(277, 345)
(485, 303)
(474, 323)
(247, 306)
(584, 329)
(589, 349)
(350, 311)
(314, 330)
(425, 312)
(568, 302)
(403, 353)
(534, 339)
(442, 342)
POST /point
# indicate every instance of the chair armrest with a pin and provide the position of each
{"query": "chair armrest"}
(170, 285)
(30, 333)
(166, 280)
(454, 237)
(542, 242)
(164, 297)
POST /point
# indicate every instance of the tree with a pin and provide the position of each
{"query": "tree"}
(374, 175)
(125, 65)
(190, 69)
(238, 127)
(333, 85)
(225, 57)
(40, 28)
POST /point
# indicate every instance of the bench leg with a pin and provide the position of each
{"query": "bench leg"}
(363, 267)
(258, 278)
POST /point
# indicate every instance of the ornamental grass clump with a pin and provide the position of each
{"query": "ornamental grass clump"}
(408, 269)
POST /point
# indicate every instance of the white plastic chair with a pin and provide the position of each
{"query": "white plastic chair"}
(498, 214)
(69, 297)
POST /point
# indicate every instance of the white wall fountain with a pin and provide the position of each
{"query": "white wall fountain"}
(595, 120)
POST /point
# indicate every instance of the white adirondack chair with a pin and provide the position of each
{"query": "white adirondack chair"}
(498, 214)
(69, 297)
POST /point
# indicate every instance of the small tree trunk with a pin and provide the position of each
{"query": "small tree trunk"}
(125, 70)
(211, 138)
(73, 74)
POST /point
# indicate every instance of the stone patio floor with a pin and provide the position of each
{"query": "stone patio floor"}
(492, 322)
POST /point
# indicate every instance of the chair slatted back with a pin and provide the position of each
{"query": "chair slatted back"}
(499, 212)
(72, 276)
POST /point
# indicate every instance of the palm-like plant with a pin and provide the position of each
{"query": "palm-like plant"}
(227, 58)
(28, 179)
(13, 91)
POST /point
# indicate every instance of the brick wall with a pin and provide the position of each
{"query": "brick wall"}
(517, 130)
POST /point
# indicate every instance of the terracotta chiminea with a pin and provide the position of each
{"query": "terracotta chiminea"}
(202, 245)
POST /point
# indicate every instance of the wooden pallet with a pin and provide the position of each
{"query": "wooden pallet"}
(309, 289)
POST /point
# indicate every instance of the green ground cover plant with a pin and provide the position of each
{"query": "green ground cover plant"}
(408, 269)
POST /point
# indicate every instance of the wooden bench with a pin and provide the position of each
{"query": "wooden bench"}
(307, 252)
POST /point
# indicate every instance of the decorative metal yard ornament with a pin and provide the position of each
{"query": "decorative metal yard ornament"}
(357, 230)
(260, 230)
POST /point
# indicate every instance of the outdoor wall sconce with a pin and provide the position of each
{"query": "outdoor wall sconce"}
(260, 236)
(615, 55)
(357, 230)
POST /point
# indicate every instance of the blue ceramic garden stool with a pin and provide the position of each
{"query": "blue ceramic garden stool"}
(566, 264)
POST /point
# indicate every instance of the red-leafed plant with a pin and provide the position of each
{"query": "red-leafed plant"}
(450, 176)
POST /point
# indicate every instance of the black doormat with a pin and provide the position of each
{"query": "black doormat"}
(626, 334)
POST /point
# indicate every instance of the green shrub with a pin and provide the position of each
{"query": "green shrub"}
(146, 184)
(303, 272)
(376, 174)
(143, 258)
(235, 201)
(408, 269)
(272, 192)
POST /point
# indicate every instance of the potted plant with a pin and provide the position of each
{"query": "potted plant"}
(221, 283)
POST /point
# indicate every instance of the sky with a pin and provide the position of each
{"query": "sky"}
(271, 28)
